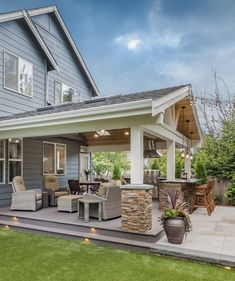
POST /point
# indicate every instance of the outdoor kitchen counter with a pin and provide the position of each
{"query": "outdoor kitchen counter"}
(182, 185)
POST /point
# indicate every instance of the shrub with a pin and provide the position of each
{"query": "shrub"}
(230, 193)
(116, 173)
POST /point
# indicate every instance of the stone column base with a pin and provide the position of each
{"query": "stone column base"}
(136, 207)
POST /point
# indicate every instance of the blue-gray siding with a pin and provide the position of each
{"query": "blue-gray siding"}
(16, 38)
(71, 72)
(33, 166)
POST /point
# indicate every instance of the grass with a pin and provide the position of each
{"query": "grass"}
(28, 257)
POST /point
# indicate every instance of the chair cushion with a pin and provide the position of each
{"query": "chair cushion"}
(102, 191)
(38, 196)
(69, 197)
(60, 193)
(18, 183)
(51, 182)
(106, 185)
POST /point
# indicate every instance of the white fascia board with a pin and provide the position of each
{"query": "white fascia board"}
(161, 104)
(42, 10)
(11, 16)
(50, 9)
(83, 115)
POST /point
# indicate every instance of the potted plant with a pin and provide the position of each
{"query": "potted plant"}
(175, 219)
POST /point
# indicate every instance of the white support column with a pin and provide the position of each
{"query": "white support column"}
(187, 167)
(137, 161)
(170, 160)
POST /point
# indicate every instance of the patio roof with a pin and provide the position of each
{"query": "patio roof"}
(159, 111)
(97, 102)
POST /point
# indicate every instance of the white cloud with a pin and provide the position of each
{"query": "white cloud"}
(170, 39)
(131, 42)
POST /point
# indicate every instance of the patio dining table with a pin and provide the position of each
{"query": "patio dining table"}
(91, 187)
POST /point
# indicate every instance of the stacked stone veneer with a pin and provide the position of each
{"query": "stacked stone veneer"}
(137, 208)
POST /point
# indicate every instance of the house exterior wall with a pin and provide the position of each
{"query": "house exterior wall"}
(16, 38)
(33, 166)
(71, 72)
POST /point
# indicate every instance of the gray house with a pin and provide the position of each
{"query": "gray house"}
(51, 115)
(40, 66)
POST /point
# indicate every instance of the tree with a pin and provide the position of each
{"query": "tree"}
(200, 170)
(103, 162)
(218, 152)
(216, 105)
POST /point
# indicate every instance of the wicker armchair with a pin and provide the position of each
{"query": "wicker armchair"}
(51, 185)
(23, 199)
(112, 201)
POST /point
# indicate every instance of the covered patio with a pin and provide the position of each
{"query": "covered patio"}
(167, 117)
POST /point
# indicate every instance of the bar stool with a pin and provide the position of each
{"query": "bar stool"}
(202, 197)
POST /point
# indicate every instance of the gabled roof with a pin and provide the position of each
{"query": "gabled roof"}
(27, 14)
(53, 9)
(24, 14)
(98, 102)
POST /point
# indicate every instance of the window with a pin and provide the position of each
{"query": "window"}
(54, 158)
(2, 161)
(15, 157)
(18, 74)
(66, 93)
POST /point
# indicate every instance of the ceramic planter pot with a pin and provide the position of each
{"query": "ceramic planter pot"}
(175, 230)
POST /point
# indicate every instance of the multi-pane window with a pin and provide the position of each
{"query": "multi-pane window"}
(2, 161)
(66, 93)
(18, 74)
(54, 158)
(15, 158)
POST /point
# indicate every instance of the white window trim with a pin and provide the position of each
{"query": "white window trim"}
(9, 89)
(65, 156)
(76, 92)
(15, 160)
(4, 162)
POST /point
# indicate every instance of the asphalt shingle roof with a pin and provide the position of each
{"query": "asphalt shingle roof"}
(117, 99)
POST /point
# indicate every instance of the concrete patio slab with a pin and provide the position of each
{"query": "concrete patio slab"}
(212, 238)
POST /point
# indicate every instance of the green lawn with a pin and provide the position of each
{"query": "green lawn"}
(30, 257)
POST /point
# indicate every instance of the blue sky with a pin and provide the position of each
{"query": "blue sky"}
(136, 45)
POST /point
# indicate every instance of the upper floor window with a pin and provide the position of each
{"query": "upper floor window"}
(66, 93)
(2, 161)
(18, 74)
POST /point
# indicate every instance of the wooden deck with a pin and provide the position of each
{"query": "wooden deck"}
(52, 222)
